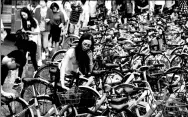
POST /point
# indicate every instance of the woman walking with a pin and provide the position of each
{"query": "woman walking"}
(57, 24)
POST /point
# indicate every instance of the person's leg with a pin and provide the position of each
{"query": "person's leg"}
(33, 51)
(45, 40)
(76, 29)
(42, 40)
(20, 70)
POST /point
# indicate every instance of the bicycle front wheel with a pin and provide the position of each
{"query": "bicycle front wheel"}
(17, 107)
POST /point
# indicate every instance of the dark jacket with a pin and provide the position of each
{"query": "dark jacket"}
(49, 15)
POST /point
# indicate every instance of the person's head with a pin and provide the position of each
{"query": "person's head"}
(43, 3)
(15, 59)
(85, 44)
(26, 15)
(54, 7)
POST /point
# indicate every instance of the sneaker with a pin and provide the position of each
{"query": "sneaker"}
(50, 49)
(40, 63)
(43, 56)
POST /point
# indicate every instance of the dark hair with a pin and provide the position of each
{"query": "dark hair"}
(30, 18)
(64, 1)
(54, 5)
(19, 57)
(82, 56)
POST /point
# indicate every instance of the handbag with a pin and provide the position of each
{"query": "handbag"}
(21, 39)
(21, 35)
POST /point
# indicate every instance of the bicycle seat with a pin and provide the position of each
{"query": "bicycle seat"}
(120, 57)
(182, 54)
(119, 107)
(129, 48)
(26, 80)
(84, 29)
(158, 65)
(95, 32)
(122, 39)
(139, 54)
(111, 65)
(98, 72)
(144, 68)
(116, 101)
(128, 89)
(155, 52)
(157, 74)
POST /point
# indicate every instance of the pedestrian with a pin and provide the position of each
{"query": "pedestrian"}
(141, 6)
(85, 14)
(12, 61)
(43, 14)
(57, 24)
(31, 28)
(74, 20)
(78, 59)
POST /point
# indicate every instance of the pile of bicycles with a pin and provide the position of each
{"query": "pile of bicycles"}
(130, 78)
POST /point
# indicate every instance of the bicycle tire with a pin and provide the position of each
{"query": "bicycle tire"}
(175, 62)
(175, 51)
(165, 62)
(69, 41)
(113, 73)
(44, 72)
(47, 108)
(44, 88)
(58, 56)
(7, 104)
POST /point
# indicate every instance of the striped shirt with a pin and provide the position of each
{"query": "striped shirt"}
(75, 13)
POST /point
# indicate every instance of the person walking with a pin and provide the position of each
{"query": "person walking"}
(74, 20)
(43, 14)
(57, 24)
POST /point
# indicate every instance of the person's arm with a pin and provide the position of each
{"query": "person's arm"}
(37, 14)
(34, 31)
(133, 4)
(49, 15)
(62, 19)
(64, 65)
(90, 54)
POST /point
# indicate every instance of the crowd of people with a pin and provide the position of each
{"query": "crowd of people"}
(46, 25)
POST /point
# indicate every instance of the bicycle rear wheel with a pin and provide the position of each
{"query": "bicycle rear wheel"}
(36, 86)
(15, 108)
(69, 41)
(46, 106)
(58, 56)
(44, 72)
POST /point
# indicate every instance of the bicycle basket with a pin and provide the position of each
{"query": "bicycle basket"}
(72, 96)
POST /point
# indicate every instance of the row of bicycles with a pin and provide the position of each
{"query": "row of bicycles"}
(130, 78)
